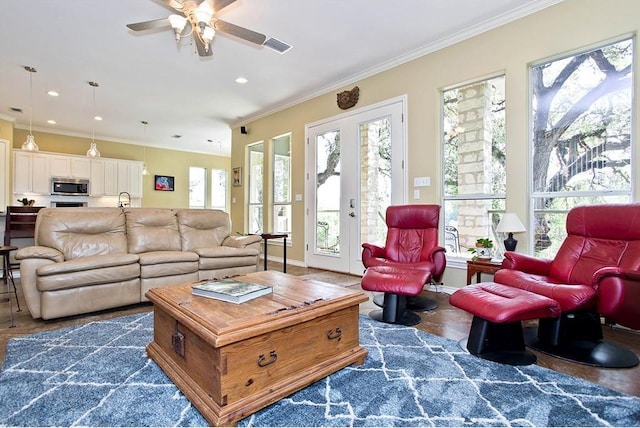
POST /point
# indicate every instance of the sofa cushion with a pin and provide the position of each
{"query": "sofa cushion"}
(156, 264)
(203, 228)
(81, 233)
(88, 271)
(152, 229)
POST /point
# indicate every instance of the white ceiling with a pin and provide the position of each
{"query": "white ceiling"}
(146, 76)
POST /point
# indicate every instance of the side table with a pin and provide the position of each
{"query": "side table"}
(5, 250)
(479, 267)
(266, 237)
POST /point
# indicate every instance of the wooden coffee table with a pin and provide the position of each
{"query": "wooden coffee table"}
(231, 360)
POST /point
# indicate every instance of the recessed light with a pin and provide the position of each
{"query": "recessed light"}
(51, 122)
(98, 117)
(15, 109)
(176, 136)
(241, 80)
(53, 93)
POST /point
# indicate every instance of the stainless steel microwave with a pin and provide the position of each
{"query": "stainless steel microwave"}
(69, 186)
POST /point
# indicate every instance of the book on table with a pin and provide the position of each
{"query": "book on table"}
(230, 290)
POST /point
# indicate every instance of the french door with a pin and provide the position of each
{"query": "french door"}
(354, 170)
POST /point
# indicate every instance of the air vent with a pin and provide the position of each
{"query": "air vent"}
(15, 109)
(277, 45)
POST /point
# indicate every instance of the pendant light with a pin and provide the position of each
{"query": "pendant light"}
(145, 171)
(93, 151)
(30, 143)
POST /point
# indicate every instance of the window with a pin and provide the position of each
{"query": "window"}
(581, 137)
(255, 219)
(282, 184)
(473, 144)
(219, 189)
(197, 187)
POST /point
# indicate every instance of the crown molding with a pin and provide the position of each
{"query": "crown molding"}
(498, 21)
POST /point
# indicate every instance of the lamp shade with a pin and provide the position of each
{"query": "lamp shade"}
(510, 223)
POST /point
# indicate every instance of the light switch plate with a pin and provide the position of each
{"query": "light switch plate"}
(421, 181)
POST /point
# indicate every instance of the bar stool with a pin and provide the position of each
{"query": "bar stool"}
(8, 276)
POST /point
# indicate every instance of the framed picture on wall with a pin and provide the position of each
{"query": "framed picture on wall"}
(236, 176)
(164, 182)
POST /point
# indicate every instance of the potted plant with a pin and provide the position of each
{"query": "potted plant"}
(482, 250)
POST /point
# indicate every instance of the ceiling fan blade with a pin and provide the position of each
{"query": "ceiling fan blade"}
(200, 46)
(240, 32)
(219, 4)
(149, 25)
(172, 5)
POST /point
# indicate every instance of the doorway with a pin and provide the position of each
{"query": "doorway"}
(354, 170)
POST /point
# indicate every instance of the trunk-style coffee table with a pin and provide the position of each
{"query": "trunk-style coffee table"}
(231, 360)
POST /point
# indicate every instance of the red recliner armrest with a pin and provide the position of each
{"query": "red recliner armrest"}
(370, 251)
(525, 263)
(439, 258)
(619, 295)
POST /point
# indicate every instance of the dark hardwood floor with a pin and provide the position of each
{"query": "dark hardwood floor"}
(446, 321)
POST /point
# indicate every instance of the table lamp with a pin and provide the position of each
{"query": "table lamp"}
(510, 223)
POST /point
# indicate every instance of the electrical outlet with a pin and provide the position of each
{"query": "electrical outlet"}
(416, 193)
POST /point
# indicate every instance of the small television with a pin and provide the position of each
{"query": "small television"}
(164, 183)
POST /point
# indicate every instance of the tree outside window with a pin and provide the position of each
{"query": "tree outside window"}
(581, 137)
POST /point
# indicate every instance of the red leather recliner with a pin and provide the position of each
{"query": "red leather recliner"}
(411, 243)
(596, 273)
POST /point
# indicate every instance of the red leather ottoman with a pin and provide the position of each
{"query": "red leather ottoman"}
(396, 284)
(496, 329)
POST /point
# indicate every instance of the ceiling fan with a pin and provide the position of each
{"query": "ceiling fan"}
(200, 14)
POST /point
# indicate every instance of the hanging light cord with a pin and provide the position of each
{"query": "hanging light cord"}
(94, 85)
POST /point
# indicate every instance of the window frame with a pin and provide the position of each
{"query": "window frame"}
(571, 196)
(286, 203)
(460, 257)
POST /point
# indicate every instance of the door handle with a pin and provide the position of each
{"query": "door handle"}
(352, 214)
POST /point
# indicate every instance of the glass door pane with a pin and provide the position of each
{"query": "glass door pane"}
(327, 203)
(375, 179)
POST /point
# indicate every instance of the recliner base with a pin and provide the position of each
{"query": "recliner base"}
(498, 342)
(414, 303)
(594, 352)
(395, 311)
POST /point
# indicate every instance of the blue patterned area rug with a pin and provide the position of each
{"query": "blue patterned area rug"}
(98, 374)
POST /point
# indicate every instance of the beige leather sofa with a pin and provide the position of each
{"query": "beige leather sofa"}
(89, 259)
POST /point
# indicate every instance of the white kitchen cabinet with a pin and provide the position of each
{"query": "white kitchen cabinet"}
(111, 177)
(60, 166)
(135, 179)
(130, 178)
(80, 167)
(96, 178)
(31, 173)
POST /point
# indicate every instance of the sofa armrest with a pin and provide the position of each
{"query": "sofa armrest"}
(525, 263)
(241, 241)
(39, 252)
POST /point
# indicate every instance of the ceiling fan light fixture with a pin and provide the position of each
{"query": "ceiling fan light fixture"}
(177, 23)
(203, 13)
(208, 34)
